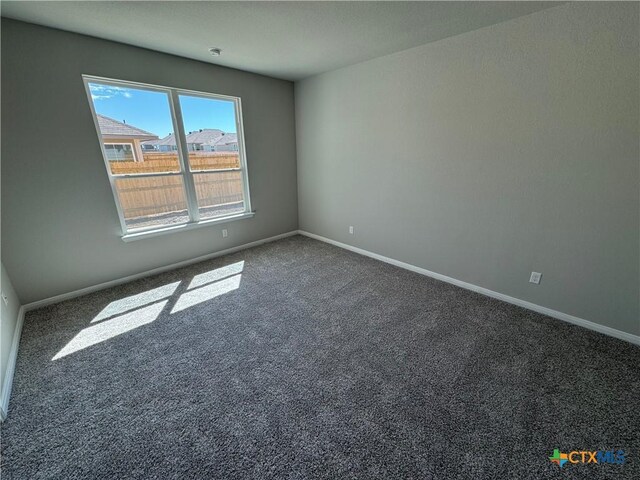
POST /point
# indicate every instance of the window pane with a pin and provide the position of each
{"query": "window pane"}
(119, 152)
(210, 129)
(152, 201)
(136, 129)
(219, 194)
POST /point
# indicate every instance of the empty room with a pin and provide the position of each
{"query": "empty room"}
(342, 239)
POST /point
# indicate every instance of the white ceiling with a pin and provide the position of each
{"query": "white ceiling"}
(290, 40)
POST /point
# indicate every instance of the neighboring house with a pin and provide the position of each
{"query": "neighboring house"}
(166, 144)
(204, 140)
(227, 143)
(122, 142)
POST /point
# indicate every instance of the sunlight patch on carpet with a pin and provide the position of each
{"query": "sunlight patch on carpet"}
(208, 292)
(111, 328)
(132, 302)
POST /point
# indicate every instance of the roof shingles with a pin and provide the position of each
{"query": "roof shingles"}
(206, 136)
(113, 128)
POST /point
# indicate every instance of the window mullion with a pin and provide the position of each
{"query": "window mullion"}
(243, 155)
(183, 155)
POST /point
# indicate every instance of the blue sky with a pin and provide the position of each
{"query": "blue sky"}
(150, 110)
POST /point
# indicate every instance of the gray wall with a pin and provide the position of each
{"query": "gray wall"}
(8, 320)
(60, 226)
(488, 155)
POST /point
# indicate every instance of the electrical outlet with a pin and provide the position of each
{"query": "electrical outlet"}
(5, 299)
(535, 277)
(225, 234)
(351, 229)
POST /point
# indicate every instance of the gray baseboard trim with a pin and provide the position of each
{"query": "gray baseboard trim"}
(11, 366)
(612, 332)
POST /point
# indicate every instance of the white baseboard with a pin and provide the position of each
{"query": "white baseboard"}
(612, 332)
(11, 366)
(101, 286)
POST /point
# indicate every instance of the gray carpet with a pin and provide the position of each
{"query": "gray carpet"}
(313, 363)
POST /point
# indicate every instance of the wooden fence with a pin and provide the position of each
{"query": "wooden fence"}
(146, 196)
(168, 162)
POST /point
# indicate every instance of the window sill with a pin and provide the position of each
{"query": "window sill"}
(130, 237)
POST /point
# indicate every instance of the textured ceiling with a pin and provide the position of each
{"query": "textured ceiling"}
(290, 40)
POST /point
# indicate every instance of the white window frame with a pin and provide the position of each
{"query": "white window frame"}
(186, 173)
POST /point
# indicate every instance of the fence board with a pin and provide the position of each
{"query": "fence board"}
(147, 196)
(168, 162)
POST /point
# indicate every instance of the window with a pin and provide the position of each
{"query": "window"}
(119, 152)
(175, 158)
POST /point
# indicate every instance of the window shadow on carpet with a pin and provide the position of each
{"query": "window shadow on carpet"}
(131, 312)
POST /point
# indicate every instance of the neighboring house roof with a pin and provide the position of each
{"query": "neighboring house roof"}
(227, 139)
(113, 128)
(168, 140)
(206, 136)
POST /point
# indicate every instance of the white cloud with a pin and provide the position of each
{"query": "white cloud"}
(104, 92)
